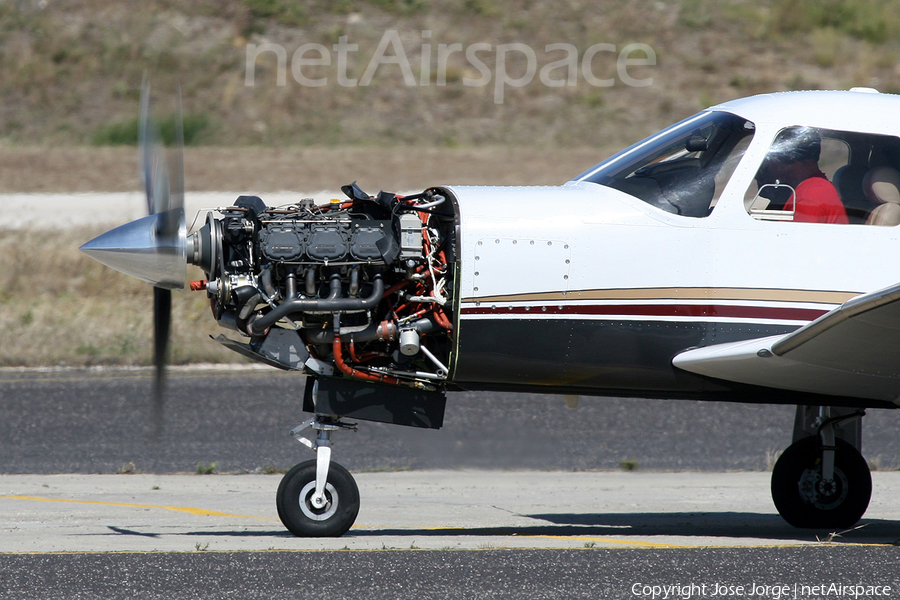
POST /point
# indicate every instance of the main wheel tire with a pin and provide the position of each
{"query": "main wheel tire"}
(294, 501)
(804, 500)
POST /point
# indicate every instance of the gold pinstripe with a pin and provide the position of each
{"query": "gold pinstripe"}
(749, 294)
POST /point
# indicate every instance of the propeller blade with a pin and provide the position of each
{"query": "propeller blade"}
(165, 195)
(152, 158)
(176, 159)
(153, 248)
(162, 319)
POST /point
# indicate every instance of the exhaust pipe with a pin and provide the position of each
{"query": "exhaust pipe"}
(259, 325)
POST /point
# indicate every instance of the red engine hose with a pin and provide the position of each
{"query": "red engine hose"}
(351, 372)
(442, 319)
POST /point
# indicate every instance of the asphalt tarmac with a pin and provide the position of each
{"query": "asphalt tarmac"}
(78, 421)
(517, 497)
(647, 574)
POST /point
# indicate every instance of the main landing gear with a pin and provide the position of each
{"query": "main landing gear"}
(822, 481)
(318, 498)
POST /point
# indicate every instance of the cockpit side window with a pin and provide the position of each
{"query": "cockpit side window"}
(823, 176)
(683, 169)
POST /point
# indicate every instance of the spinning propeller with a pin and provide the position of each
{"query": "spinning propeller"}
(153, 248)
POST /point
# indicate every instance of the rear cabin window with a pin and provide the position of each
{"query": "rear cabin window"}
(826, 176)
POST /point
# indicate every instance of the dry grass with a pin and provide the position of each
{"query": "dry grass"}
(70, 71)
(88, 169)
(59, 307)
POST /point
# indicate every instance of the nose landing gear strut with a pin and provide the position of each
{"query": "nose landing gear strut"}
(318, 498)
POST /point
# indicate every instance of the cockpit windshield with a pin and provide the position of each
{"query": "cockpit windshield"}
(682, 169)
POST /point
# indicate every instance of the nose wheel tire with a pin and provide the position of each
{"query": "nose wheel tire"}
(804, 499)
(305, 517)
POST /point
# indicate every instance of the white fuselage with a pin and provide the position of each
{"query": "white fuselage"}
(604, 267)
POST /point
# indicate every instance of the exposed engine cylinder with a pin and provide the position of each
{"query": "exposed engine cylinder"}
(361, 288)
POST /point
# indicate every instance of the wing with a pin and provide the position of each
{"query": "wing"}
(852, 351)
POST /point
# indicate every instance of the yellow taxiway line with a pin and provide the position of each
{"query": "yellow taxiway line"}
(185, 509)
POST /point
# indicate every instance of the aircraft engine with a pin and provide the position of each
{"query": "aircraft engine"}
(362, 287)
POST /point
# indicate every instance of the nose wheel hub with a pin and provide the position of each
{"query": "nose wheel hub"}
(825, 494)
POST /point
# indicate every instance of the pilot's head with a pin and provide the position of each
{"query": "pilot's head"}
(796, 143)
(794, 152)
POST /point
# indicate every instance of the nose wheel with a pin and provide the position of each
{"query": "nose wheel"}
(304, 514)
(318, 498)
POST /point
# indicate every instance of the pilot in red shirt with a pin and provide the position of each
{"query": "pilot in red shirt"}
(817, 202)
(794, 160)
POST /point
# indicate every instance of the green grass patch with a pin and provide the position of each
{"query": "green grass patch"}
(125, 132)
(206, 468)
(629, 464)
(874, 21)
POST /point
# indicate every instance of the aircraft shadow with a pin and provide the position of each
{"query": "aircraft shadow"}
(711, 525)
(225, 533)
(740, 525)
